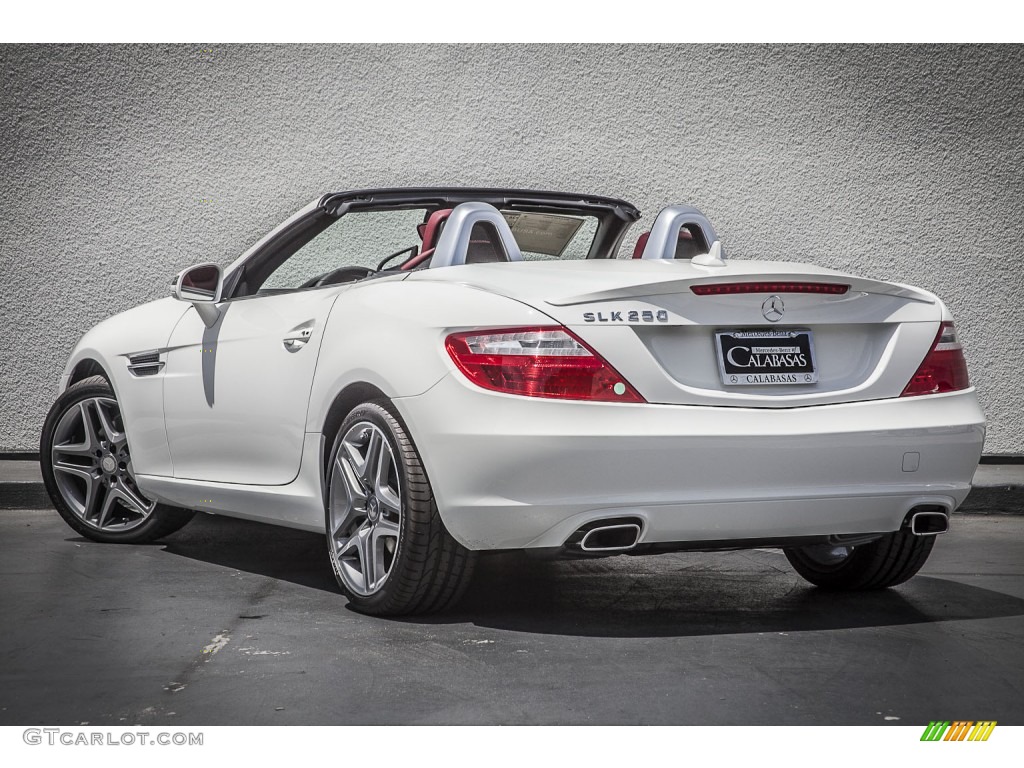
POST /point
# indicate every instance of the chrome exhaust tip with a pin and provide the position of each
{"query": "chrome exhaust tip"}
(929, 523)
(611, 538)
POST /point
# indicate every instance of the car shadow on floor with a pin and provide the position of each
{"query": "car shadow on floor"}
(684, 594)
(279, 553)
(700, 594)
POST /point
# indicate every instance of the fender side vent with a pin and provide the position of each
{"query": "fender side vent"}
(145, 364)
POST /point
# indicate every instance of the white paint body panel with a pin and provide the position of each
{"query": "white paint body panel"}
(146, 327)
(870, 340)
(391, 333)
(513, 472)
(236, 395)
(298, 504)
(696, 463)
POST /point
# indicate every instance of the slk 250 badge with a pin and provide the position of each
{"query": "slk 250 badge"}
(627, 316)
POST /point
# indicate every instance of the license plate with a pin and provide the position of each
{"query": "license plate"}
(766, 356)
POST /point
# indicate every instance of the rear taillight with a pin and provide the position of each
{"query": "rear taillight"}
(538, 362)
(944, 368)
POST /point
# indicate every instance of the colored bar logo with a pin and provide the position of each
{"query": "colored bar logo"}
(959, 730)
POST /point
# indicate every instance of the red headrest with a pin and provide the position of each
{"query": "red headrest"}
(638, 249)
(432, 229)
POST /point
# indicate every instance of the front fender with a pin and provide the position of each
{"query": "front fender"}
(108, 344)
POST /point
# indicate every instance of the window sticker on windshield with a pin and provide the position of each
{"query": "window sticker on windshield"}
(542, 232)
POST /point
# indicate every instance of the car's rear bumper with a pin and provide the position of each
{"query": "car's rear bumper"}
(512, 472)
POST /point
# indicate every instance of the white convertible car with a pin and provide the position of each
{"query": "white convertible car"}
(424, 374)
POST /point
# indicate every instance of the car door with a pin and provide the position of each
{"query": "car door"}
(236, 394)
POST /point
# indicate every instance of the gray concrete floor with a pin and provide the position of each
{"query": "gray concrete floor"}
(116, 635)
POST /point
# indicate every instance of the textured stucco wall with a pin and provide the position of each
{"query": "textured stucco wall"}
(121, 165)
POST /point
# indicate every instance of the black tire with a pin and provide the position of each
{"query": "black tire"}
(885, 562)
(429, 570)
(160, 522)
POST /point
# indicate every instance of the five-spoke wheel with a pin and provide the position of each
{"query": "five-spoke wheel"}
(88, 471)
(389, 549)
(93, 467)
(365, 508)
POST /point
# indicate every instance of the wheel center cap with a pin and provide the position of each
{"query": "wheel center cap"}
(108, 464)
(373, 509)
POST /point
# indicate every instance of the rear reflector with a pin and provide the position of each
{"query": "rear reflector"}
(720, 289)
(538, 362)
(944, 368)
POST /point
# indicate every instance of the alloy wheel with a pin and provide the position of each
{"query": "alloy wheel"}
(92, 466)
(365, 509)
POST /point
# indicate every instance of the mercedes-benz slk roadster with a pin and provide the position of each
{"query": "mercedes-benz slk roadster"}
(427, 374)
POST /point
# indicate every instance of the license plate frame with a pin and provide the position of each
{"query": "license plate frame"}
(778, 357)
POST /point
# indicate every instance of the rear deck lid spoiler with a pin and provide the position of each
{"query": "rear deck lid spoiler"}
(683, 285)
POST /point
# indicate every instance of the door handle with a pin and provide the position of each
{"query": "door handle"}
(297, 339)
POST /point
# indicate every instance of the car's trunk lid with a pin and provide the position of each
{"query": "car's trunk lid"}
(646, 320)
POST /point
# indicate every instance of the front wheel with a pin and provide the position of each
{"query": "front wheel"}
(88, 472)
(389, 549)
(884, 562)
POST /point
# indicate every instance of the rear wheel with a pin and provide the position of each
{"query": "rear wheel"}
(389, 549)
(88, 472)
(885, 562)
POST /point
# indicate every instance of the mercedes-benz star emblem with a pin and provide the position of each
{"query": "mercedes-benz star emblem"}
(772, 309)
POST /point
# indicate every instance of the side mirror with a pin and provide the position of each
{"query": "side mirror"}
(201, 285)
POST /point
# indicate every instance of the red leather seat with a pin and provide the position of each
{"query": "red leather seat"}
(430, 232)
(688, 246)
(641, 242)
